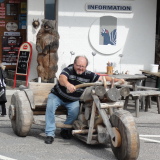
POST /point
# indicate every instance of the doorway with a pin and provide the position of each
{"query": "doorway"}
(12, 30)
(157, 46)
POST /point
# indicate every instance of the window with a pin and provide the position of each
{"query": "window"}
(50, 9)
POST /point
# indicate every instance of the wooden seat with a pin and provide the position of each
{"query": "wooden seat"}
(147, 94)
(40, 95)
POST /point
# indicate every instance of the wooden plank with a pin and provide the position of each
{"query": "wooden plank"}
(43, 112)
(142, 102)
(137, 106)
(146, 88)
(144, 93)
(148, 103)
(129, 77)
(84, 139)
(98, 121)
(104, 117)
(118, 104)
(87, 113)
(40, 100)
(39, 112)
(126, 102)
(40, 91)
(40, 86)
(151, 73)
(103, 135)
(81, 117)
(158, 104)
(82, 131)
(77, 124)
(30, 96)
(91, 125)
(138, 87)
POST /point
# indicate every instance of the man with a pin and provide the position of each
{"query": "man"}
(64, 93)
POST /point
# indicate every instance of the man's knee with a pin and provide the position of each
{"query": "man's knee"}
(74, 112)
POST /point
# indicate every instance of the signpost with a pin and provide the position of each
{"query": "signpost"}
(23, 61)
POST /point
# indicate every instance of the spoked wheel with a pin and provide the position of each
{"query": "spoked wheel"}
(20, 114)
(130, 144)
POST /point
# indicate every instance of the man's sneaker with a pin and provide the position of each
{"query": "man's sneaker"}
(66, 134)
(49, 140)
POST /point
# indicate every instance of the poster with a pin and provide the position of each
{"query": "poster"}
(23, 7)
(10, 47)
(2, 10)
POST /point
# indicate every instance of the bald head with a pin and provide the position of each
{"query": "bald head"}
(80, 64)
(81, 58)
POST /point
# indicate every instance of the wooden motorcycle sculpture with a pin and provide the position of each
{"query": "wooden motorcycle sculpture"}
(47, 45)
(101, 118)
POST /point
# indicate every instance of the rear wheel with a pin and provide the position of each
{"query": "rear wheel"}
(20, 114)
(130, 144)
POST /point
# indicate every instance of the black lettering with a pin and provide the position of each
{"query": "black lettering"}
(109, 7)
(128, 8)
(100, 7)
(104, 7)
(118, 7)
(90, 6)
(114, 7)
(96, 6)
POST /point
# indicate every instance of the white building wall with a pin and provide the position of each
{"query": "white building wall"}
(74, 24)
(35, 11)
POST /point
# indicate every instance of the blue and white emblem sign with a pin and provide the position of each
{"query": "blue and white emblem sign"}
(106, 36)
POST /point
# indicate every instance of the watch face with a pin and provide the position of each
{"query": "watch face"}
(11, 26)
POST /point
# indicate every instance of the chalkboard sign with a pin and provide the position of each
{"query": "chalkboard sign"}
(22, 63)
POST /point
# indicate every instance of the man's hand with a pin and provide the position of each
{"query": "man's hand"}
(70, 88)
(63, 80)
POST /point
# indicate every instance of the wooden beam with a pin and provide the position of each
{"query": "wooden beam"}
(91, 125)
(119, 104)
(104, 117)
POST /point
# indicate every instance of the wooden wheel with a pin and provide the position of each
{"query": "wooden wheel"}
(129, 148)
(20, 114)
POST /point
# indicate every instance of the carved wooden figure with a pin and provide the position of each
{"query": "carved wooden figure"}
(47, 45)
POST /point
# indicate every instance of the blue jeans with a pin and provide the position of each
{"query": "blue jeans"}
(52, 104)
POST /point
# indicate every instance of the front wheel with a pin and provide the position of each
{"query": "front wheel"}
(20, 114)
(130, 144)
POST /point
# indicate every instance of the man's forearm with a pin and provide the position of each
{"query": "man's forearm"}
(63, 81)
(111, 79)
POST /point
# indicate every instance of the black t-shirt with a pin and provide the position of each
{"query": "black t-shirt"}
(74, 79)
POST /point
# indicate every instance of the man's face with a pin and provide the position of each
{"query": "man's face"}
(80, 65)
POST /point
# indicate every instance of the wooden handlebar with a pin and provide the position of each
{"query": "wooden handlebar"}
(94, 84)
(88, 85)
